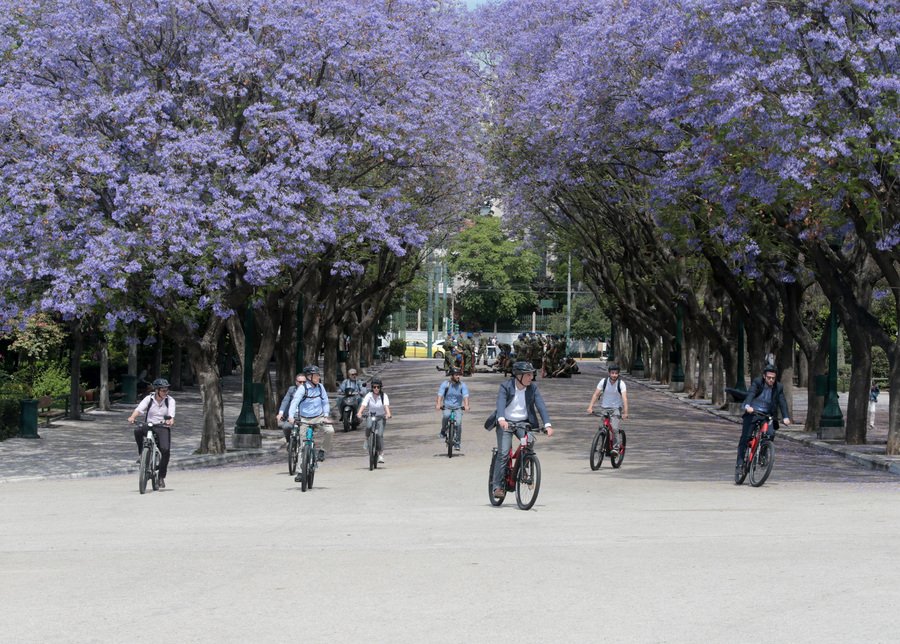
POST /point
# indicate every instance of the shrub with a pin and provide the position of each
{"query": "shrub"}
(397, 347)
(9, 418)
(52, 380)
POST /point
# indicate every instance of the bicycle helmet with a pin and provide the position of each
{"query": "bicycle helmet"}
(770, 368)
(454, 371)
(160, 383)
(613, 367)
(375, 381)
(522, 367)
(310, 370)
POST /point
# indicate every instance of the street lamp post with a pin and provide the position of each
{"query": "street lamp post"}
(246, 429)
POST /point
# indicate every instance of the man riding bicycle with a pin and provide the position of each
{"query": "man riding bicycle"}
(518, 399)
(452, 395)
(351, 383)
(614, 402)
(159, 410)
(285, 407)
(764, 396)
(310, 405)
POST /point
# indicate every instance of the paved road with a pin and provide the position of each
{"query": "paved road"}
(666, 549)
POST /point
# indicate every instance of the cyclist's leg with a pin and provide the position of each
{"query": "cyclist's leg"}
(164, 434)
(445, 418)
(746, 430)
(379, 435)
(140, 433)
(504, 442)
(459, 421)
(615, 418)
(328, 428)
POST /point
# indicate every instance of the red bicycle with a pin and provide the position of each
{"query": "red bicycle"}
(759, 456)
(523, 470)
(603, 443)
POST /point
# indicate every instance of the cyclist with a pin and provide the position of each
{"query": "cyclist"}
(310, 401)
(764, 395)
(518, 399)
(452, 394)
(379, 405)
(155, 408)
(352, 383)
(285, 406)
(614, 400)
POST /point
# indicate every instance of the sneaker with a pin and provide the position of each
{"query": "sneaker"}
(499, 493)
(138, 461)
(298, 478)
(380, 458)
(443, 435)
(738, 472)
(321, 455)
(162, 483)
(456, 446)
(614, 452)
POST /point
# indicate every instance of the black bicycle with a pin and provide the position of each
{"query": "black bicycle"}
(452, 436)
(372, 442)
(309, 456)
(293, 449)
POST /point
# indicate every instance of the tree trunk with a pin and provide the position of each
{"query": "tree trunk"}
(203, 361)
(856, 421)
(703, 372)
(786, 366)
(75, 374)
(175, 379)
(718, 381)
(815, 404)
(103, 351)
(893, 437)
(329, 379)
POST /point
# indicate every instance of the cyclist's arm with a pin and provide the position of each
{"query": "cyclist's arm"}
(624, 404)
(387, 410)
(326, 403)
(542, 410)
(145, 403)
(362, 406)
(171, 412)
(466, 403)
(439, 402)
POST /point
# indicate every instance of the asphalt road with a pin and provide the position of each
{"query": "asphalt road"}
(665, 549)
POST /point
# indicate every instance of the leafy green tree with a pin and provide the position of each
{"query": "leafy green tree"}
(497, 270)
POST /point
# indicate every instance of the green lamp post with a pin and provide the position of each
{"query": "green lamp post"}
(246, 429)
(832, 422)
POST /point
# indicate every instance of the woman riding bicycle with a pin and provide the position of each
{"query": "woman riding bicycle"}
(518, 399)
(379, 407)
(159, 410)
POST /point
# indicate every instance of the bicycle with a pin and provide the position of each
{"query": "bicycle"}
(372, 438)
(150, 459)
(603, 443)
(293, 449)
(451, 436)
(759, 457)
(523, 470)
(309, 456)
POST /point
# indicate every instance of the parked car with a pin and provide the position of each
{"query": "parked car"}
(419, 349)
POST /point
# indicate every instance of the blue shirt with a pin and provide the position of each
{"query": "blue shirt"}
(453, 394)
(310, 400)
(763, 402)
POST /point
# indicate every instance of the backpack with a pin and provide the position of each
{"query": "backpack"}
(618, 385)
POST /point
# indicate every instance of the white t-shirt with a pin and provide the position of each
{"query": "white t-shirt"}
(375, 404)
(516, 410)
(611, 398)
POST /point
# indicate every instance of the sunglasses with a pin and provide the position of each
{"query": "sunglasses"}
(376, 386)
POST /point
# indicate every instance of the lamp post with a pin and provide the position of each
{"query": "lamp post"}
(831, 425)
(246, 429)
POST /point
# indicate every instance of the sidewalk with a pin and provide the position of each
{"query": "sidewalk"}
(870, 455)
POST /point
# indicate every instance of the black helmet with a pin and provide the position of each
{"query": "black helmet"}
(454, 371)
(770, 368)
(375, 381)
(522, 367)
(160, 383)
(310, 369)
(613, 367)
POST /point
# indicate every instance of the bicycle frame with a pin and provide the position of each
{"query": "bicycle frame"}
(514, 456)
(760, 427)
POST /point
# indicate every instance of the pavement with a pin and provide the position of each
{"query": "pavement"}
(102, 442)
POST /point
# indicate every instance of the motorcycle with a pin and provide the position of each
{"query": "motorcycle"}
(348, 409)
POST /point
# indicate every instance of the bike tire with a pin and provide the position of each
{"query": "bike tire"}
(494, 500)
(305, 459)
(373, 452)
(616, 461)
(598, 449)
(762, 463)
(739, 477)
(145, 469)
(293, 453)
(528, 481)
(154, 469)
(348, 420)
(451, 433)
(313, 465)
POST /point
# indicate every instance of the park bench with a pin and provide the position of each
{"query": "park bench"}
(45, 409)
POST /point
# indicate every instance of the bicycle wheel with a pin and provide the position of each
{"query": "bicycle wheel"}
(348, 419)
(528, 482)
(154, 469)
(451, 434)
(313, 466)
(494, 500)
(373, 451)
(762, 463)
(293, 453)
(741, 474)
(617, 460)
(145, 469)
(305, 462)
(597, 449)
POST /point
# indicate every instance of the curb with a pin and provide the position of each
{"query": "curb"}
(850, 452)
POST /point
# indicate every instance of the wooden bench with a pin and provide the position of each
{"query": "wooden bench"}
(45, 409)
